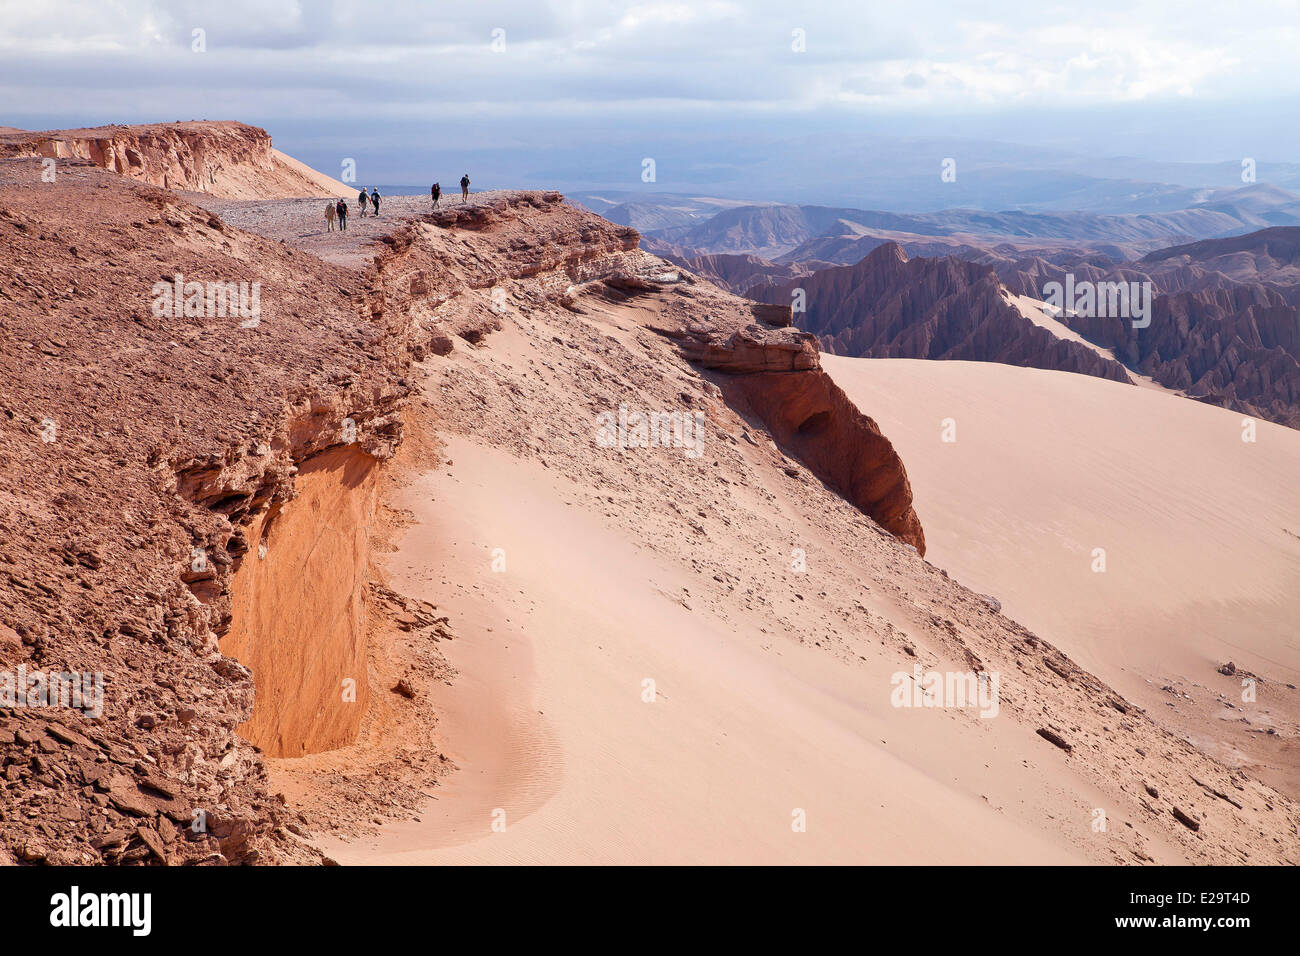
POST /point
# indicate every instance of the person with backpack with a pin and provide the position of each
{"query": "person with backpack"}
(330, 213)
(464, 187)
(342, 209)
(436, 193)
(374, 199)
(362, 199)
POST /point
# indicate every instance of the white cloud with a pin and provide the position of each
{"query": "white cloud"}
(406, 58)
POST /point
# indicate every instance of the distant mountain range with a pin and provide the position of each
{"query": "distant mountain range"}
(843, 169)
(1224, 274)
(1225, 320)
(797, 233)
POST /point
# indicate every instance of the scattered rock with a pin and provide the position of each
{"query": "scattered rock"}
(1053, 737)
(1185, 820)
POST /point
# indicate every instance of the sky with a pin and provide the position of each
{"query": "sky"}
(583, 91)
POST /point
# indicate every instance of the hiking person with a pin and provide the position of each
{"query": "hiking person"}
(374, 199)
(330, 213)
(464, 187)
(362, 199)
(436, 193)
(342, 209)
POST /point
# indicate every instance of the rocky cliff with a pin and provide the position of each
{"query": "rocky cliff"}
(775, 373)
(1225, 323)
(766, 366)
(225, 159)
(192, 420)
(1237, 346)
(151, 417)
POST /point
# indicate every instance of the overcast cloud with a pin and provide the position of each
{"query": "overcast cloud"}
(1176, 81)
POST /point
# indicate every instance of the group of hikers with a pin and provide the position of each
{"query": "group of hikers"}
(436, 191)
(339, 210)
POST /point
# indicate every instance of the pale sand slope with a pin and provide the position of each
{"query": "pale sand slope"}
(318, 181)
(547, 722)
(1045, 317)
(1201, 533)
(774, 687)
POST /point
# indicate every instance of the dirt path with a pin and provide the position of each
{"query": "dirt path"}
(301, 222)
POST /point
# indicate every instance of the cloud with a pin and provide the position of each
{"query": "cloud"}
(633, 67)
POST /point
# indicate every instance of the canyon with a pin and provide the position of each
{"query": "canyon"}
(1224, 315)
(362, 582)
(1222, 326)
(890, 306)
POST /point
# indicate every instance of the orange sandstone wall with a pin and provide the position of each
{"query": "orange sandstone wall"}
(811, 417)
(299, 611)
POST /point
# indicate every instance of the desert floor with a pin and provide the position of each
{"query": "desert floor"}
(1200, 532)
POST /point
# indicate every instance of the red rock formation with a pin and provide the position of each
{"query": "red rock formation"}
(537, 236)
(1269, 255)
(775, 373)
(138, 451)
(533, 235)
(1226, 329)
(229, 160)
(812, 419)
(1238, 347)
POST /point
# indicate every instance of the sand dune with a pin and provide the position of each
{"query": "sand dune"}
(772, 688)
(325, 185)
(547, 722)
(1201, 532)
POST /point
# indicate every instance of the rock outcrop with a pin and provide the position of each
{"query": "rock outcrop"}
(536, 236)
(773, 371)
(190, 429)
(225, 159)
